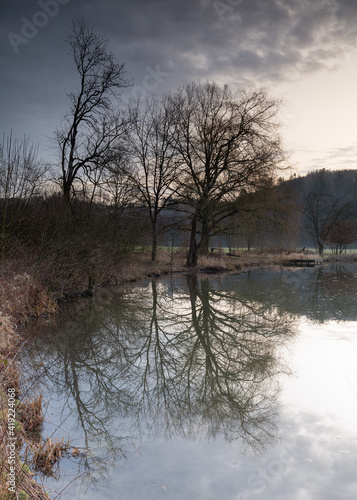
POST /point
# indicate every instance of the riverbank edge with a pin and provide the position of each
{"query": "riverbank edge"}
(23, 298)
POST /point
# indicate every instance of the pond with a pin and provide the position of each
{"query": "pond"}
(206, 387)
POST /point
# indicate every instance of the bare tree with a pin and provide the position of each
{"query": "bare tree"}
(323, 215)
(21, 177)
(343, 233)
(91, 129)
(270, 217)
(226, 143)
(153, 165)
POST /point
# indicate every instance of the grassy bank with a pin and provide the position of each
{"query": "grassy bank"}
(21, 418)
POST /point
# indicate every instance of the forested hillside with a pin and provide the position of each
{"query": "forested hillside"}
(337, 184)
(327, 203)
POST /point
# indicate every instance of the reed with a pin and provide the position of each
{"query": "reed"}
(21, 419)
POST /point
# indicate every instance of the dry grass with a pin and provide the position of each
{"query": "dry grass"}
(140, 265)
(45, 457)
(28, 421)
(30, 415)
(21, 298)
(269, 259)
(343, 258)
(26, 487)
(219, 263)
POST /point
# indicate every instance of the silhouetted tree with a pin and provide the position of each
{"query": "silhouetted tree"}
(226, 143)
(21, 177)
(153, 164)
(90, 132)
(323, 215)
(343, 233)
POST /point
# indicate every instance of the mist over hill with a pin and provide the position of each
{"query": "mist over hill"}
(329, 198)
(333, 190)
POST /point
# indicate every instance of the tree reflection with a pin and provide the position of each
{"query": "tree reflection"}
(229, 361)
(172, 358)
(321, 294)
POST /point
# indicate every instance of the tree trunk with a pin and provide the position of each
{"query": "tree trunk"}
(204, 243)
(154, 242)
(66, 189)
(192, 284)
(205, 225)
(192, 256)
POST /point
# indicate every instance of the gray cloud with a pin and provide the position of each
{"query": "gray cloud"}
(242, 42)
(336, 158)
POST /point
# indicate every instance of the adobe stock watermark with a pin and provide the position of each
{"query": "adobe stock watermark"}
(225, 8)
(40, 19)
(152, 79)
(11, 440)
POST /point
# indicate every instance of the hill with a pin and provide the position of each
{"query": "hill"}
(333, 190)
(337, 184)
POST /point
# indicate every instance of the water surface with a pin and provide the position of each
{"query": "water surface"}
(207, 387)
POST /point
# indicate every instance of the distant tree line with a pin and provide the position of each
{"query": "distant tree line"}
(327, 202)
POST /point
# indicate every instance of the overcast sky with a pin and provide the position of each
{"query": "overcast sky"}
(302, 51)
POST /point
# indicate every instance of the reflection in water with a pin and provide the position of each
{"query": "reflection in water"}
(187, 357)
(321, 294)
(172, 358)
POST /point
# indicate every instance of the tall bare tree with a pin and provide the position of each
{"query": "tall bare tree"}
(153, 167)
(226, 143)
(91, 129)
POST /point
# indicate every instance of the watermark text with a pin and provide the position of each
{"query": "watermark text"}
(30, 27)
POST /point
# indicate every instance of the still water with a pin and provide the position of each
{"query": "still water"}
(206, 387)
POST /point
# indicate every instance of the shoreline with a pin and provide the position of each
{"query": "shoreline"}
(21, 414)
(24, 298)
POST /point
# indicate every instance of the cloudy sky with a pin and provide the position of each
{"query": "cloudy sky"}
(304, 52)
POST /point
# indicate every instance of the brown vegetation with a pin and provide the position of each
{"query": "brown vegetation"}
(45, 457)
(21, 297)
